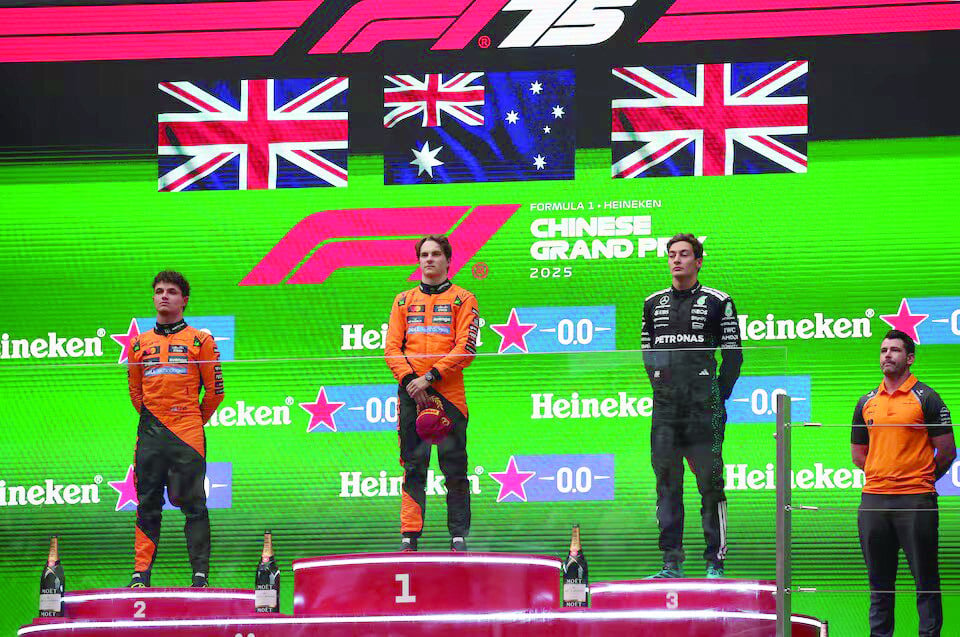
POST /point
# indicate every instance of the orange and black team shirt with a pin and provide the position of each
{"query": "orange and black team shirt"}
(166, 369)
(900, 458)
(434, 327)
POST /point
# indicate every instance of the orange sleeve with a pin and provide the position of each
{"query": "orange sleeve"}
(211, 375)
(396, 329)
(465, 338)
(135, 376)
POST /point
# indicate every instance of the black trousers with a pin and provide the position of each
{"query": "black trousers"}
(888, 523)
(691, 430)
(415, 458)
(164, 460)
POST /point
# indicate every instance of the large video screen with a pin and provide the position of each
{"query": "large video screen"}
(289, 175)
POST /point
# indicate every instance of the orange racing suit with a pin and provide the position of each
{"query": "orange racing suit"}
(166, 369)
(433, 329)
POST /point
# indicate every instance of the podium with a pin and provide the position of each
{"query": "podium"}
(158, 603)
(402, 583)
(426, 594)
(686, 594)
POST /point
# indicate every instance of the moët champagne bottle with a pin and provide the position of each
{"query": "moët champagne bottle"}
(575, 583)
(52, 583)
(267, 590)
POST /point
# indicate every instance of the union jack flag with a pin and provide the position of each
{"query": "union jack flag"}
(253, 134)
(411, 95)
(711, 119)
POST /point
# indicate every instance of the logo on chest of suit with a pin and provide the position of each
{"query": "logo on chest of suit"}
(445, 307)
(417, 308)
(415, 318)
(177, 349)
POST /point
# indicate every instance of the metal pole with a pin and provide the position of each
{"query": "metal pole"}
(784, 531)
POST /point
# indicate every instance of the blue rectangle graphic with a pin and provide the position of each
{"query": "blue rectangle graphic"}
(218, 484)
(360, 408)
(222, 328)
(949, 484)
(559, 478)
(941, 326)
(754, 398)
(589, 328)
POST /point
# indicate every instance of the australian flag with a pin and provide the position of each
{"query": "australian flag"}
(476, 127)
(253, 134)
(710, 119)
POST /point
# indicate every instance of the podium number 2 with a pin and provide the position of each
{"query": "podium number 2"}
(404, 597)
(140, 608)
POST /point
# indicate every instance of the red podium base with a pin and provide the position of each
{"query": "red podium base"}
(158, 603)
(405, 583)
(427, 594)
(685, 594)
(572, 623)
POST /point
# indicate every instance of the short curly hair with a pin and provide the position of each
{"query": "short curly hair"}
(172, 276)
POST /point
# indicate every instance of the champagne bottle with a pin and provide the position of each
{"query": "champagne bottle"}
(267, 593)
(51, 583)
(575, 573)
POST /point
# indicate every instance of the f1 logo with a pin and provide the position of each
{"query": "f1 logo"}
(311, 238)
(565, 22)
(455, 23)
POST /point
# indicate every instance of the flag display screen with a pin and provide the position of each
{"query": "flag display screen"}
(305, 441)
(290, 190)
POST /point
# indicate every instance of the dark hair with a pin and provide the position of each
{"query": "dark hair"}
(691, 239)
(440, 240)
(908, 343)
(172, 276)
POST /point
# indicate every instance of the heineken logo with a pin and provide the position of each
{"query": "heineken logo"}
(52, 345)
(50, 492)
(357, 484)
(818, 326)
(575, 406)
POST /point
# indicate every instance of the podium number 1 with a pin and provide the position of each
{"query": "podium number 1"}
(404, 597)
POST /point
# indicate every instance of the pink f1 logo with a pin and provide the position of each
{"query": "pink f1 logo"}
(313, 234)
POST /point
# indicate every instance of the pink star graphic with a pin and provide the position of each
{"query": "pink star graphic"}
(904, 321)
(513, 333)
(124, 340)
(321, 411)
(512, 480)
(126, 488)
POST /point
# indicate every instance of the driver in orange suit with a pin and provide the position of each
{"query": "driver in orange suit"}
(431, 338)
(166, 368)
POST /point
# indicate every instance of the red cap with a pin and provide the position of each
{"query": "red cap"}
(433, 425)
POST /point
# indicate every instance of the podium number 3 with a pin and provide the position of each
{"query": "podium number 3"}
(673, 600)
(140, 608)
(404, 597)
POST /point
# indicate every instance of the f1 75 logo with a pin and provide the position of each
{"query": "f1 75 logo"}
(307, 255)
(454, 24)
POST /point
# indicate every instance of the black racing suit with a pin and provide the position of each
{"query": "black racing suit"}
(681, 331)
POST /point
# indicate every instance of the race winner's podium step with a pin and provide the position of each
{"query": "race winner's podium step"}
(685, 594)
(405, 583)
(158, 603)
